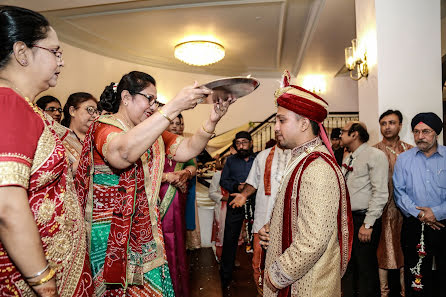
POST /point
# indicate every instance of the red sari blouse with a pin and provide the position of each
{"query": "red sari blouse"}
(33, 157)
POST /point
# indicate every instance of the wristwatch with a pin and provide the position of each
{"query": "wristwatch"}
(368, 226)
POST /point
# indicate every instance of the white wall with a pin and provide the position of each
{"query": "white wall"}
(88, 72)
(404, 60)
(341, 93)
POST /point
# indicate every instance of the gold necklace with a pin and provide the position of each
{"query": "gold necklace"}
(125, 124)
(393, 152)
(18, 91)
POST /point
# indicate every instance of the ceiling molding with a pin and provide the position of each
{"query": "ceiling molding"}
(114, 11)
(75, 34)
(281, 33)
(310, 28)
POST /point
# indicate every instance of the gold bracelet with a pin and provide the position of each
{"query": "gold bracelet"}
(45, 279)
(204, 129)
(164, 115)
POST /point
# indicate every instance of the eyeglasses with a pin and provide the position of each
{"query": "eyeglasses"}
(344, 131)
(53, 109)
(243, 142)
(55, 52)
(151, 98)
(424, 132)
(91, 110)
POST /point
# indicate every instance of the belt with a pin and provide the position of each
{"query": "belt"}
(360, 212)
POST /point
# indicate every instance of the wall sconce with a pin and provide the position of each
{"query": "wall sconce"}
(356, 61)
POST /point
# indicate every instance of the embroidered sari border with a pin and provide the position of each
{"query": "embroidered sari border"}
(14, 174)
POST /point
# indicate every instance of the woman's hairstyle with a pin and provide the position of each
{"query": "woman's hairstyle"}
(74, 100)
(19, 24)
(134, 82)
(45, 100)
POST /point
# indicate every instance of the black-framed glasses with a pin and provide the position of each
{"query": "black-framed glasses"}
(57, 52)
(91, 110)
(152, 100)
(54, 109)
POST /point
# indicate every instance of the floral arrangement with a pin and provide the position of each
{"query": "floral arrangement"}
(416, 271)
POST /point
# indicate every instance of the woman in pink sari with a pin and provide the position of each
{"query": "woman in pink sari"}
(173, 195)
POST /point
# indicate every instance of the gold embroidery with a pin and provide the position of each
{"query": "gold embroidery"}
(45, 146)
(71, 242)
(59, 246)
(173, 148)
(14, 173)
(18, 156)
(152, 181)
(45, 177)
(107, 141)
(46, 211)
(25, 289)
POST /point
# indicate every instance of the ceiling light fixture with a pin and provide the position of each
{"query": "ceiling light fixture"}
(199, 52)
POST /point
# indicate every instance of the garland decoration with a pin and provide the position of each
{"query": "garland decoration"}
(416, 270)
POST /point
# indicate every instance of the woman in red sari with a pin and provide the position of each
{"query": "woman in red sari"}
(118, 182)
(42, 233)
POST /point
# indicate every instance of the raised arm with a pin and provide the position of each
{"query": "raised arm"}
(126, 148)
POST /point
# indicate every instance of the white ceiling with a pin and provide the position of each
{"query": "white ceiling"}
(261, 37)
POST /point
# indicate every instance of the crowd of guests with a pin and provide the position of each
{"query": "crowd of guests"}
(96, 205)
(397, 199)
(96, 197)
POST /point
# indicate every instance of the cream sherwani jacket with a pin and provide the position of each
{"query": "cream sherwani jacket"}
(312, 264)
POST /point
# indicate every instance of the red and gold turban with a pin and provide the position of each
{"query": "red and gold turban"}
(304, 103)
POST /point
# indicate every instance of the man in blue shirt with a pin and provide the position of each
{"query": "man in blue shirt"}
(233, 178)
(420, 192)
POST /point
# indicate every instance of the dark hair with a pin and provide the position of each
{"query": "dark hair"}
(389, 112)
(45, 100)
(134, 82)
(270, 143)
(74, 100)
(363, 134)
(315, 127)
(19, 24)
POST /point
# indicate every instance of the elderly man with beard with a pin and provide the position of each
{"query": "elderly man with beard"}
(420, 192)
(233, 179)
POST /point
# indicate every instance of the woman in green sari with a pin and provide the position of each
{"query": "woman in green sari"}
(119, 177)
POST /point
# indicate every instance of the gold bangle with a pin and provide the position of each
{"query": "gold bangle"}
(164, 115)
(204, 129)
(45, 279)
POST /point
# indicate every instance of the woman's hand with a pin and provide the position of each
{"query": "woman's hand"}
(220, 108)
(48, 289)
(190, 96)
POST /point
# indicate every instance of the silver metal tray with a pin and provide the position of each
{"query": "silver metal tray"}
(236, 86)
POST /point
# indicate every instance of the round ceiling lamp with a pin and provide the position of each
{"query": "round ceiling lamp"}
(199, 52)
